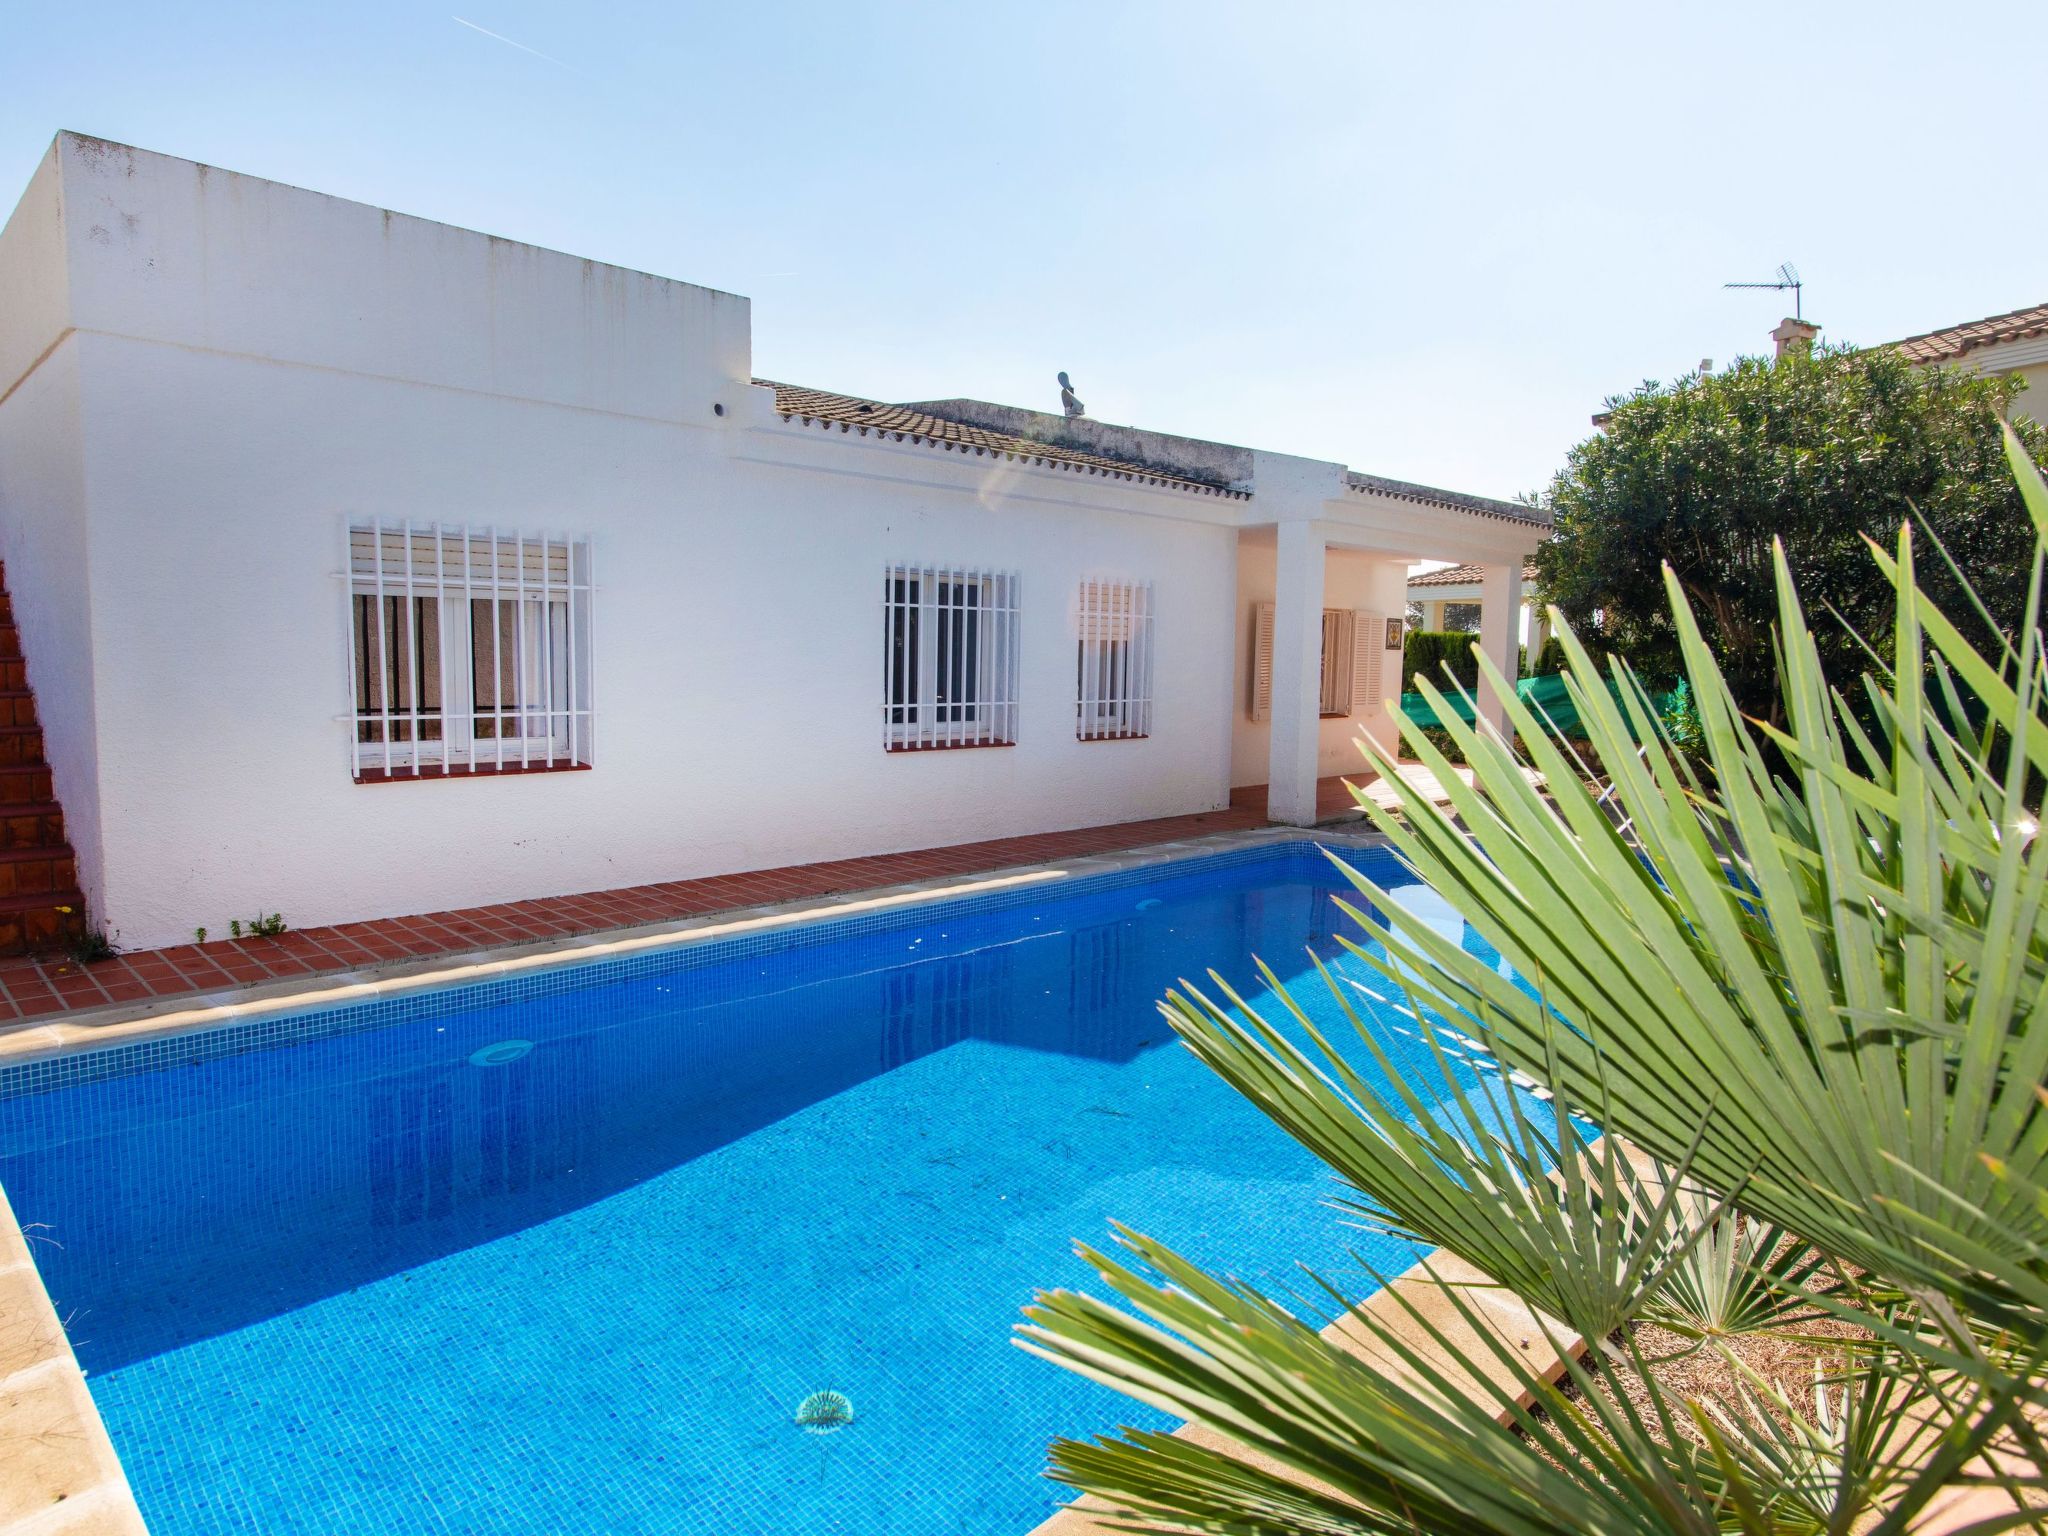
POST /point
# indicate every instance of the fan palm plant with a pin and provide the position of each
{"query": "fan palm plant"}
(1796, 991)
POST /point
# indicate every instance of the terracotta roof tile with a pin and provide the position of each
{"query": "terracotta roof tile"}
(1429, 495)
(1459, 576)
(822, 408)
(1946, 346)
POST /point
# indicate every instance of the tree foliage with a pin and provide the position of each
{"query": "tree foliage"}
(1817, 452)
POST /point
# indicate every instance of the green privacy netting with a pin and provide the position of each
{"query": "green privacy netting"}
(1546, 694)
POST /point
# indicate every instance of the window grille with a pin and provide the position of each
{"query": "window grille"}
(1113, 664)
(949, 658)
(469, 651)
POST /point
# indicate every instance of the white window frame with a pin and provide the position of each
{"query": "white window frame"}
(1113, 661)
(949, 657)
(538, 589)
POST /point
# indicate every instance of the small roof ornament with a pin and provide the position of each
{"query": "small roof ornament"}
(1069, 401)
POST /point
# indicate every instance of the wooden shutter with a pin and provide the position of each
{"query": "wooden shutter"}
(1260, 704)
(1368, 633)
(1334, 695)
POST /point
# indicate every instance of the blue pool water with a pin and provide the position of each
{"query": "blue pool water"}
(379, 1270)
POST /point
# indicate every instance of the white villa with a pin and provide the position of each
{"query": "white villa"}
(361, 565)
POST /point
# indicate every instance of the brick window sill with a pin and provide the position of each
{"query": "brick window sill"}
(1117, 736)
(911, 748)
(430, 773)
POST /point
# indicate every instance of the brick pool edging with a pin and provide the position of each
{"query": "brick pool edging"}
(128, 1023)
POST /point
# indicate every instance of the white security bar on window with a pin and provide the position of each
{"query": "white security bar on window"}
(469, 650)
(949, 658)
(1113, 664)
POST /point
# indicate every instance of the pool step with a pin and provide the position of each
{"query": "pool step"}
(41, 906)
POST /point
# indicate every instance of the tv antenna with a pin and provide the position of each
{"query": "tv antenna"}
(1787, 277)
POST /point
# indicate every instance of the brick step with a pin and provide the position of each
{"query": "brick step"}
(31, 924)
(13, 673)
(10, 640)
(25, 784)
(33, 826)
(21, 746)
(43, 872)
(6, 607)
(17, 707)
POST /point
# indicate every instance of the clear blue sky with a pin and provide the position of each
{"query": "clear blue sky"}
(1425, 239)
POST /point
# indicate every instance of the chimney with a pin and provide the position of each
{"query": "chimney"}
(1794, 336)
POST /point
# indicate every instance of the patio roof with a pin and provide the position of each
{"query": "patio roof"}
(1459, 576)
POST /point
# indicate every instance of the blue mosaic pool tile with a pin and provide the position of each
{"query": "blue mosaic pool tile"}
(345, 1280)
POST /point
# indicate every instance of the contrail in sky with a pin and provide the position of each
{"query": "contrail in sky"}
(509, 43)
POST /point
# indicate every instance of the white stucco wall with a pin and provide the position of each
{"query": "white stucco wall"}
(739, 639)
(207, 377)
(1351, 579)
(246, 389)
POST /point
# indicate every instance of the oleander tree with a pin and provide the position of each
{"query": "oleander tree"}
(1795, 987)
(1704, 478)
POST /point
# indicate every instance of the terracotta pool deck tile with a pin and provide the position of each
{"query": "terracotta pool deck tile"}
(36, 988)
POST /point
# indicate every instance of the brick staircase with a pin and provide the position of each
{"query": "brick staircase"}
(41, 907)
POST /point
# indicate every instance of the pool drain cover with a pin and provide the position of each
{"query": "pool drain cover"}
(502, 1054)
(824, 1412)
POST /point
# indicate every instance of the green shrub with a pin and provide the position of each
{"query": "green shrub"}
(1428, 651)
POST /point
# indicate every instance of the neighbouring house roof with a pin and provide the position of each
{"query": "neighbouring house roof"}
(1429, 495)
(849, 413)
(1459, 576)
(1947, 345)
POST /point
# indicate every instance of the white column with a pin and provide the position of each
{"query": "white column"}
(1539, 633)
(1297, 675)
(1500, 624)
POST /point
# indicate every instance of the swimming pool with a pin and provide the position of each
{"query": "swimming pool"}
(564, 1252)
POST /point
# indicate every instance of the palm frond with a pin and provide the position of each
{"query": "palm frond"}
(1809, 981)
